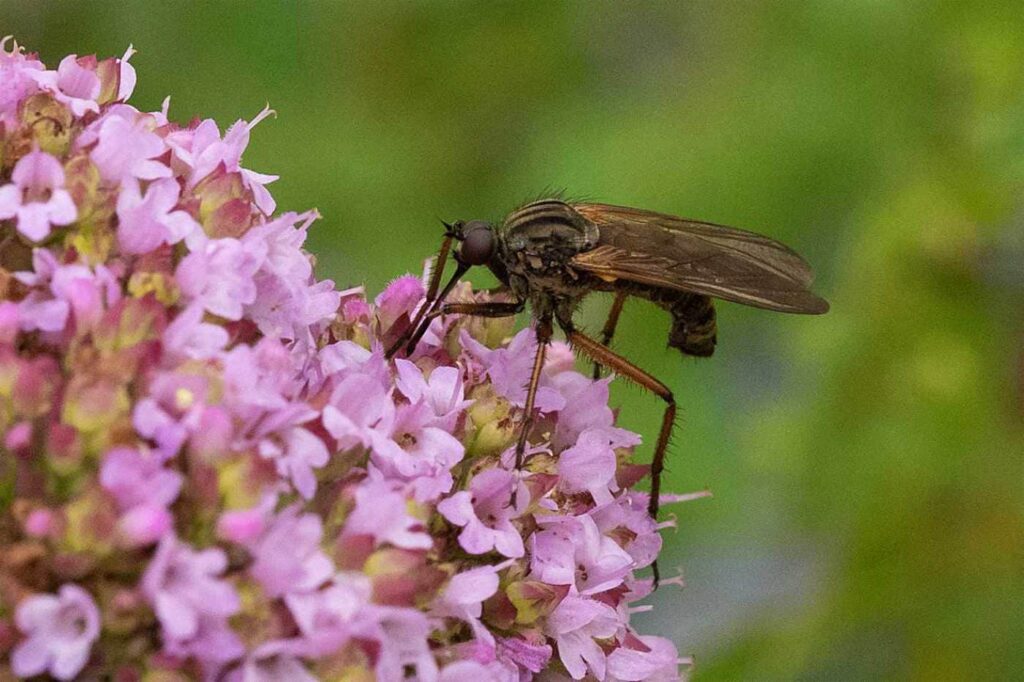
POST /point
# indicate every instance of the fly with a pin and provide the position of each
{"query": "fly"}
(552, 253)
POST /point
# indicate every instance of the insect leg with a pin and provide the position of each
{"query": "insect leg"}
(609, 326)
(485, 309)
(428, 316)
(435, 282)
(620, 365)
(543, 330)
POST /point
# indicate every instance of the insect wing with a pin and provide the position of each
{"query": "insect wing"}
(674, 253)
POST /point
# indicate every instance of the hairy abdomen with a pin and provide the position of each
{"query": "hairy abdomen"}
(693, 329)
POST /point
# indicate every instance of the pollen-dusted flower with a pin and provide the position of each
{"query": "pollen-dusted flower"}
(212, 443)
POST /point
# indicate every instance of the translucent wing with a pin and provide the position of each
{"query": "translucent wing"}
(687, 255)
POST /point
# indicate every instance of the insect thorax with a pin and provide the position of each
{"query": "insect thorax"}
(537, 242)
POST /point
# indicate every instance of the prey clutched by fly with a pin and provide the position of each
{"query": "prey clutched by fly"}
(551, 253)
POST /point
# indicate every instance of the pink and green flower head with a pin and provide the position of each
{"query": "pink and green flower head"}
(216, 473)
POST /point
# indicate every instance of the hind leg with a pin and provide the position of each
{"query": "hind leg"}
(600, 353)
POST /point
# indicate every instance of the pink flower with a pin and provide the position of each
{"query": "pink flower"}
(380, 513)
(63, 289)
(288, 298)
(345, 358)
(37, 197)
(40, 522)
(172, 411)
(359, 405)
(74, 83)
(126, 75)
(182, 586)
(572, 551)
(650, 659)
(172, 364)
(287, 558)
(144, 525)
(245, 526)
(402, 636)
(297, 453)
(531, 656)
(326, 617)
(444, 391)
(509, 370)
(219, 275)
(464, 596)
(18, 74)
(485, 513)
(134, 479)
(38, 311)
(589, 466)
(213, 645)
(273, 661)
(127, 147)
(143, 491)
(60, 631)
(413, 451)
(202, 150)
(258, 380)
(574, 624)
(146, 222)
(399, 299)
(626, 517)
(87, 293)
(586, 407)
(187, 336)
(9, 321)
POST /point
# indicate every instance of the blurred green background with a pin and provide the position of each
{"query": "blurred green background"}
(867, 465)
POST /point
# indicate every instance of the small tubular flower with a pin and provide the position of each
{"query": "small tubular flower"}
(60, 632)
(36, 198)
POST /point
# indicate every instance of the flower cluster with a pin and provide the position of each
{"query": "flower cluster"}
(209, 470)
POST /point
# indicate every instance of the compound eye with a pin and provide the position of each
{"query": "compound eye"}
(478, 243)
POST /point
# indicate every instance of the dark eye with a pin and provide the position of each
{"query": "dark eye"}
(478, 244)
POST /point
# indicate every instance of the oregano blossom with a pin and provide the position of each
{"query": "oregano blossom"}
(212, 471)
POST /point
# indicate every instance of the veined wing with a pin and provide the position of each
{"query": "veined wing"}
(687, 255)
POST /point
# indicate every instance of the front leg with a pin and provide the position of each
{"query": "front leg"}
(486, 309)
(431, 295)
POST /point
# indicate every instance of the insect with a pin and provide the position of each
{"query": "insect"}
(552, 253)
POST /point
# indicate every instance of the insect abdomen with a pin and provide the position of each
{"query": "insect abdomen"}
(693, 329)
